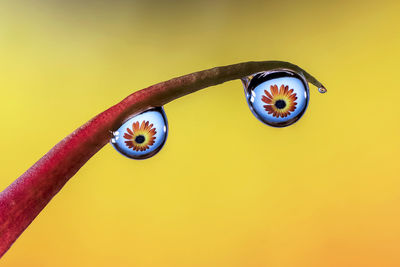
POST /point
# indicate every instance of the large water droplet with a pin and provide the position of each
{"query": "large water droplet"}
(143, 135)
(278, 97)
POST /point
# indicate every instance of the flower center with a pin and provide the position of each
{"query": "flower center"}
(139, 139)
(280, 104)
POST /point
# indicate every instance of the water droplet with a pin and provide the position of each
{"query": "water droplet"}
(278, 97)
(322, 90)
(143, 135)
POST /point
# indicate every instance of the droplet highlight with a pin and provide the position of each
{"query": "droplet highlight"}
(142, 136)
(277, 98)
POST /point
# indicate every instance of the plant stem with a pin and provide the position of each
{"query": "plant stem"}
(22, 201)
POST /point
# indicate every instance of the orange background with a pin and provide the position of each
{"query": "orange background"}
(225, 190)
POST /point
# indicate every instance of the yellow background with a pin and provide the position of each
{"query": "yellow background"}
(225, 190)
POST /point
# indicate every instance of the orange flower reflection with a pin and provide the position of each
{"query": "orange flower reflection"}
(140, 138)
(279, 103)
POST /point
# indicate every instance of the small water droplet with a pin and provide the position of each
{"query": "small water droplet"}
(322, 90)
(143, 135)
(278, 97)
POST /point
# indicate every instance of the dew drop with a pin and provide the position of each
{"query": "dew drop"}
(278, 97)
(322, 90)
(142, 136)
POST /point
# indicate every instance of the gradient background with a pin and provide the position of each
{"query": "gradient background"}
(226, 190)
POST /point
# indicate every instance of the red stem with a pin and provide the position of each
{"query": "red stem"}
(22, 201)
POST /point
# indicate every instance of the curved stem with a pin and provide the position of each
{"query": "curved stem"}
(22, 201)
